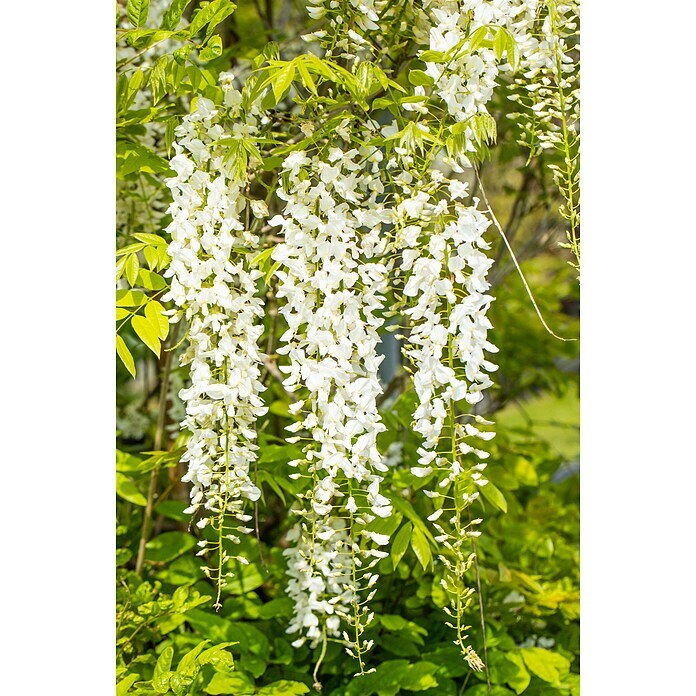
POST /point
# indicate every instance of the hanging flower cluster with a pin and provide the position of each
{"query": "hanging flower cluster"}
(332, 280)
(463, 38)
(319, 580)
(444, 288)
(216, 292)
(548, 95)
(445, 269)
(358, 30)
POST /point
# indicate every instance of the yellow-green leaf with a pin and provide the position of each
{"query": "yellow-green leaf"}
(129, 298)
(494, 496)
(151, 256)
(125, 684)
(154, 311)
(400, 543)
(120, 266)
(125, 355)
(126, 489)
(151, 280)
(213, 48)
(282, 80)
(547, 665)
(137, 11)
(420, 545)
(132, 268)
(148, 332)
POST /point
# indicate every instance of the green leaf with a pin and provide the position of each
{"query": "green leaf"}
(153, 239)
(150, 280)
(283, 688)
(282, 80)
(225, 684)
(306, 77)
(120, 267)
(494, 496)
(211, 14)
(148, 332)
(419, 78)
(154, 311)
(500, 44)
(132, 267)
(158, 78)
(174, 510)
(151, 257)
(181, 54)
(129, 298)
(520, 681)
(164, 662)
(123, 556)
(246, 578)
(169, 545)
(133, 157)
(189, 662)
(433, 57)
(128, 462)
(547, 665)
(170, 19)
(419, 676)
(261, 259)
(421, 547)
(126, 489)
(128, 249)
(213, 49)
(479, 38)
(137, 11)
(125, 355)
(136, 81)
(125, 684)
(162, 673)
(400, 543)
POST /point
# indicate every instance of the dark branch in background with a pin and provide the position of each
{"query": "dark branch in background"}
(157, 445)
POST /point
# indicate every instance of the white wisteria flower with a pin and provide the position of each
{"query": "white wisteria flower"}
(215, 291)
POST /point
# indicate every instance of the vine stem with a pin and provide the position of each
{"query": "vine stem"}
(159, 435)
(481, 610)
(514, 259)
(315, 675)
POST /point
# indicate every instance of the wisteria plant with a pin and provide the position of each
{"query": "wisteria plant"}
(305, 244)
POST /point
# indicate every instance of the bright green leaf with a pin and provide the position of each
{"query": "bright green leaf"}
(545, 664)
(213, 49)
(170, 19)
(125, 684)
(127, 490)
(494, 496)
(137, 11)
(148, 332)
(154, 311)
(132, 267)
(151, 280)
(421, 547)
(400, 543)
(125, 355)
(169, 545)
